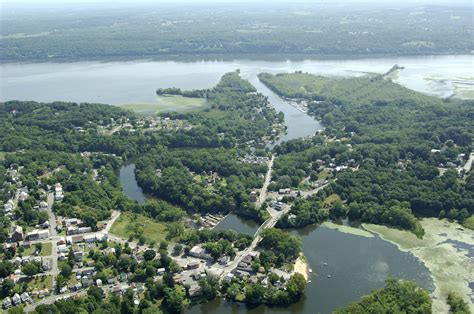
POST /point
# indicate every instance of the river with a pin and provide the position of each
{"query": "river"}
(356, 264)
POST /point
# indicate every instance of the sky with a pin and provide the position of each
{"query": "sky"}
(232, 1)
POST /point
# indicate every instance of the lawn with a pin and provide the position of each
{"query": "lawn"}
(40, 282)
(324, 174)
(2, 156)
(46, 250)
(133, 224)
(167, 103)
(331, 199)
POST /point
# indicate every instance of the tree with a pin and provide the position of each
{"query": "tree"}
(149, 255)
(47, 309)
(254, 293)
(96, 292)
(396, 297)
(174, 300)
(177, 249)
(66, 270)
(457, 305)
(30, 269)
(209, 286)
(296, 286)
(6, 268)
(7, 286)
(39, 246)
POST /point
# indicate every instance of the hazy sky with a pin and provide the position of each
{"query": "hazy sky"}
(233, 1)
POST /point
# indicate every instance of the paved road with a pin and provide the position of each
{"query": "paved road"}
(269, 223)
(468, 165)
(53, 298)
(306, 194)
(268, 178)
(53, 236)
(115, 215)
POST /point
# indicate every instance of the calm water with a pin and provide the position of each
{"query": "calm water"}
(129, 184)
(234, 222)
(136, 81)
(356, 264)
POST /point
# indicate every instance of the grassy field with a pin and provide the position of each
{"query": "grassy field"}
(133, 224)
(2, 156)
(167, 103)
(41, 282)
(46, 250)
(331, 199)
(324, 174)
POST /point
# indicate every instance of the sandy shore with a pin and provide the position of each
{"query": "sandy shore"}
(301, 266)
(444, 251)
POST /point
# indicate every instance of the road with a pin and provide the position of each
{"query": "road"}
(53, 298)
(306, 194)
(269, 223)
(468, 165)
(53, 236)
(115, 215)
(268, 178)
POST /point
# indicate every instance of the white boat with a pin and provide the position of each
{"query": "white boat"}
(329, 276)
(310, 270)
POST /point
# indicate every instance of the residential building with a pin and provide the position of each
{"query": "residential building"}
(17, 234)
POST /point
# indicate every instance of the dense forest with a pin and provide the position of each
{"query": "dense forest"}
(401, 150)
(396, 297)
(239, 115)
(143, 31)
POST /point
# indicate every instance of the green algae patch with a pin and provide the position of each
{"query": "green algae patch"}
(348, 229)
(444, 252)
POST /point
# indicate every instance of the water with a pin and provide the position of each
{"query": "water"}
(236, 223)
(357, 265)
(129, 184)
(136, 81)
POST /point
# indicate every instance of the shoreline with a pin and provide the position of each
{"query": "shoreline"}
(189, 58)
(449, 263)
(301, 266)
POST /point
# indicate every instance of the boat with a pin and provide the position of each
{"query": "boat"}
(325, 264)
(310, 270)
(329, 276)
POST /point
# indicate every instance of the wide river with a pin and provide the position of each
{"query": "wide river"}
(356, 264)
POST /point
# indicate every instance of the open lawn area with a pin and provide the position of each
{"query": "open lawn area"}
(134, 224)
(2, 156)
(331, 199)
(46, 250)
(167, 103)
(40, 282)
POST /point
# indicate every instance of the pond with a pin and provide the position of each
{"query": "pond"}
(129, 184)
(239, 224)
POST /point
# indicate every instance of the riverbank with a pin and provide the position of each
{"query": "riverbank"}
(446, 250)
(301, 266)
